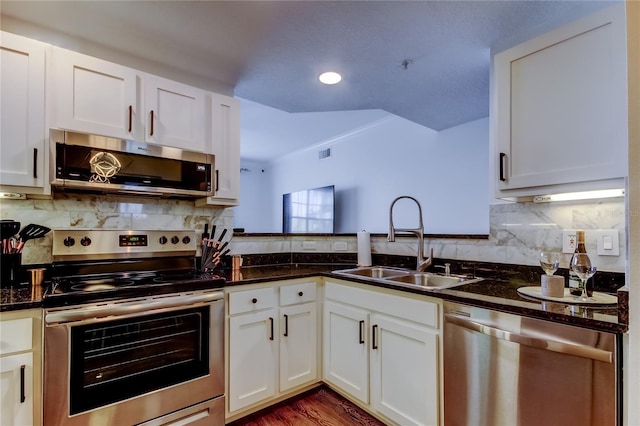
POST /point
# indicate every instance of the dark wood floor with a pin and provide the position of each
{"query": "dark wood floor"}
(321, 406)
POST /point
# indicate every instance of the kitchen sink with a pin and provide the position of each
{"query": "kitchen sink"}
(425, 279)
(374, 272)
(407, 277)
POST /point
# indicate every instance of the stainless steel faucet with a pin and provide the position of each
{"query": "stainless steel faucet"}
(422, 263)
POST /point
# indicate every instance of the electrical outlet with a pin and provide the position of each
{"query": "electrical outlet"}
(340, 245)
(308, 245)
(569, 241)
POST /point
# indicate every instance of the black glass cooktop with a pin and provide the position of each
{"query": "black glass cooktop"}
(93, 282)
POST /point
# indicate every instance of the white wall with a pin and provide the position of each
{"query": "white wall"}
(447, 172)
(254, 213)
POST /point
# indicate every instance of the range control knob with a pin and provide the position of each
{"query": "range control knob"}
(85, 241)
(163, 240)
(68, 242)
(186, 240)
(175, 240)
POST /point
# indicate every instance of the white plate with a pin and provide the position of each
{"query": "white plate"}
(596, 299)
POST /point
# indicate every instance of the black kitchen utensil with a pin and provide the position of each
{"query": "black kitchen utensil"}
(205, 234)
(32, 231)
(224, 232)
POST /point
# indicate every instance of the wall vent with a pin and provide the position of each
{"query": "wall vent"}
(324, 153)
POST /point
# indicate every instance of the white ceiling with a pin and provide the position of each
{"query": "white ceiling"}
(271, 52)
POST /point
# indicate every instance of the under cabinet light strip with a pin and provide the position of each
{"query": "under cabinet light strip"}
(584, 195)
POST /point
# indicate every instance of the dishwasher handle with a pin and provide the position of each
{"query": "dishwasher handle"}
(536, 342)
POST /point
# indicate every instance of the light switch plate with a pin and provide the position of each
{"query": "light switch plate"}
(608, 238)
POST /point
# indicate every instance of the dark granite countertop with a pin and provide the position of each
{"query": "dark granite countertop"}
(21, 297)
(498, 294)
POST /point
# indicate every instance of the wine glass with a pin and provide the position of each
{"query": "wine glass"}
(581, 266)
(549, 261)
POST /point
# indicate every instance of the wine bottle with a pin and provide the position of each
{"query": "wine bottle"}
(574, 281)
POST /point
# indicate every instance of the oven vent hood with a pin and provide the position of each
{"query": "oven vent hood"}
(93, 164)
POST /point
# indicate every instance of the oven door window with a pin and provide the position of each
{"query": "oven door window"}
(125, 358)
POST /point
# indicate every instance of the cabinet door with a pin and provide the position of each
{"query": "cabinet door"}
(95, 96)
(16, 389)
(345, 350)
(298, 345)
(175, 114)
(225, 145)
(404, 371)
(253, 358)
(560, 105)
(22, 126)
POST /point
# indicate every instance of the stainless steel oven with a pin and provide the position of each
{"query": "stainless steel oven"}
(133, 346)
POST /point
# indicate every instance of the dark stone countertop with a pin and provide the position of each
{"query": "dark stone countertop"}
(21, 297)
(498, 294)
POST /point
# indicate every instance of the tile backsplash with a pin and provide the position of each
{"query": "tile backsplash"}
(68, 211)
(518, 231)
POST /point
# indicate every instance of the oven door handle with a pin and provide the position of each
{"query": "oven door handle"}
(138, 307)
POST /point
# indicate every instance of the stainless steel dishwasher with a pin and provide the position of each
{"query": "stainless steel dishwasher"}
(504, 369)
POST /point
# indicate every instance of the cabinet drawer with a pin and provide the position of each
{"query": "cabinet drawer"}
(297, 293)
(15, 335)
(251, 300)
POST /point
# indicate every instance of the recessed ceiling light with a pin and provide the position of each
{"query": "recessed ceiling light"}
(330, 77)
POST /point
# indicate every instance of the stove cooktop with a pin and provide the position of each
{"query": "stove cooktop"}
(83, 289)
(103, 265)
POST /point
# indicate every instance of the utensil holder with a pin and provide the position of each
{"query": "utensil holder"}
(10, 269)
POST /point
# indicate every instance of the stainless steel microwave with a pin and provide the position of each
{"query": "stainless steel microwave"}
(98, 164)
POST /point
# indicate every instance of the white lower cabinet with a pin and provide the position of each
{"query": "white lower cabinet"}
(298, 345)
(20, 372)
(253, 360)
(273, 342)
(382, 349)
(404, 371)
(345, 350)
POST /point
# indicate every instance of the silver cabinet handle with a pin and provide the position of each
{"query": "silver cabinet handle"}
(536, 342)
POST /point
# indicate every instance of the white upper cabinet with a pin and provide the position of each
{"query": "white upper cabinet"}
(225, 145)
(175, 114)
(95, 96)
(22, 114)
(559, 109)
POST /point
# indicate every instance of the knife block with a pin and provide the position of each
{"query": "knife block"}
(10, 269)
